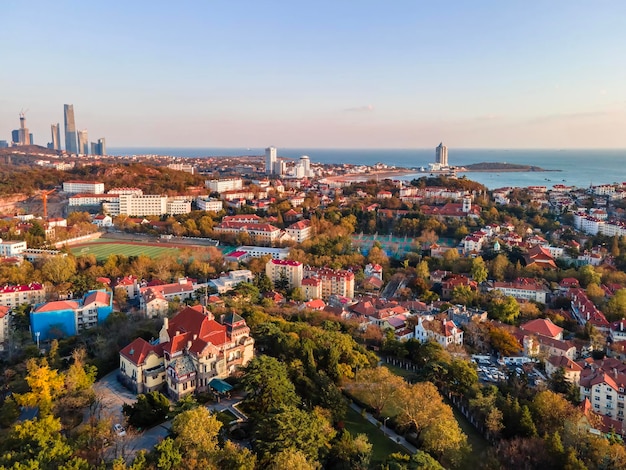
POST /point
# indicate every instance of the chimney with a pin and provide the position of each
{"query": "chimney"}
(166, 323)
(195, 337)
(188, 345)
(621, 325)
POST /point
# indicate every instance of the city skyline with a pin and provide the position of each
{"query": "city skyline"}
(328, 75)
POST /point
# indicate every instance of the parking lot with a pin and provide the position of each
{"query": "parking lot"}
(491, 370)
(113, 395)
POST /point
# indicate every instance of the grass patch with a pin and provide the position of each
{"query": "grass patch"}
(407, 375)
(382, 446)
(479, 444)
(104, 248)
(226, 417)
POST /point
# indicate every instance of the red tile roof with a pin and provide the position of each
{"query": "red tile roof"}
(138, 350)
(57, 305)
(543, 327)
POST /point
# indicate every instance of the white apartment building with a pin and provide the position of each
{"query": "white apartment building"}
(522, 289)
(77, 187)
(12, 247)
(92, 199)
(230, 280)
(261, 251)
(221, 185)
(209, 204)
(14, 296)
(605, 392)
(300, 231)
(290, 270)
(5, 318)
(176, 206)
(186, 167)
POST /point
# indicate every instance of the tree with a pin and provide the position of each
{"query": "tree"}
(350, 453)
(422, 408)
(196, 431)
(169, 455)
(479, 270)
(292, 459)
(378, 387)
(268, 385)
(587, 275)
(35, 444)
(234, 457)
(616, 306)
(289, 427)
(551, 411)
(462, 376)
(499, 267)
(58, 269)
(504, 309)
(45, 384)
(149, 409)
(503, 342)
(422, 270)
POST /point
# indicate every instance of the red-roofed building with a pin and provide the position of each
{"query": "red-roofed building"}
(14, 296)
(287, 271)
(192, 349)
(444, 332)
(570, 368)
(300, 231)
(334, 282)
(540, 256)
(452, 282)
(543, 327)
(181, 290)
(584, 310)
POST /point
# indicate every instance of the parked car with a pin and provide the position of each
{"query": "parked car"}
(119, 429)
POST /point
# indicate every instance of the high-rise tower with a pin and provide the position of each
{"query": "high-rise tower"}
(83, 142)
(23, 135)
(56, 136)
(441, 155)
(270, 160)
(71, 142)
(102, 146)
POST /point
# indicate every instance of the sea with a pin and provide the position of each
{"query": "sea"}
(580, 168)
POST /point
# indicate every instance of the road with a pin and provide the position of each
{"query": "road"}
(113, 395)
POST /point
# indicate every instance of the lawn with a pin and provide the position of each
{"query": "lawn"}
(103, 248)
(382, 446)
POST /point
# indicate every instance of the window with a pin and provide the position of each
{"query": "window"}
(596, 406)
(609, 397)
(597, 398)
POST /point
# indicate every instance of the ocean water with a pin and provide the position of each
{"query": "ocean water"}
(571, 167)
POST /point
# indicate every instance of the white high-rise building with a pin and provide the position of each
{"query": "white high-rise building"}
(270, 160)
(305, 161)
(441, 155)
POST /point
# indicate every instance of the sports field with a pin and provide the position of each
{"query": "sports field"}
(103, 248)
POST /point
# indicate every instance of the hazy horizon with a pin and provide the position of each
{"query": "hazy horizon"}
(488, 75)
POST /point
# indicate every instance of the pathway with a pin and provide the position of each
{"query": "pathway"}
(390, 433)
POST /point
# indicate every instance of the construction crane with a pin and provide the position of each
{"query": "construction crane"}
(44, 199)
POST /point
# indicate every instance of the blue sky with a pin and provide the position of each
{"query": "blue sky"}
(402, 74)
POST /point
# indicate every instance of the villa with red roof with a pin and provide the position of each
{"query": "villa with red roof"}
(181, 290)
(192, 350)
(445, 332)
(300, 231)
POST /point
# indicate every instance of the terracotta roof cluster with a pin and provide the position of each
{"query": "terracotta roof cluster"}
(587, 309)
(300, 225)
(539, 256)
(138, 350)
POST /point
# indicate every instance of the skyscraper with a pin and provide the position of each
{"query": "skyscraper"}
(441, 155)
(99, 148)
(56, 136)
(102, 146)
(24, 137)
(83, 142)
(70, 129)
(15, 136)
(270, 160)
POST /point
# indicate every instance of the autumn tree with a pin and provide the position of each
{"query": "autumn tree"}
(196, 430)
(377, 387)
(46, 385)
(292, 459)
(479, 270)
(422, 409)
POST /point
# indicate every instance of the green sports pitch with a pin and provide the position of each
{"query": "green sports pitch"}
(102, 249)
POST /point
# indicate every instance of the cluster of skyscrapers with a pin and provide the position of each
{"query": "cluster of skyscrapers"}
(76, 142)
(276, 166)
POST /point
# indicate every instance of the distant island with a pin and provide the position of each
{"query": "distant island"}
(501, 166)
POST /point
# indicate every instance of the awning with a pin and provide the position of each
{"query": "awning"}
(220, 386)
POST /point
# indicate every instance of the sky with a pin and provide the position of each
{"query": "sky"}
(322, 74)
